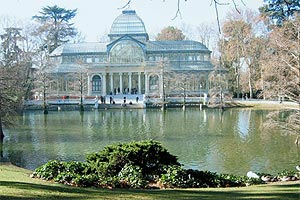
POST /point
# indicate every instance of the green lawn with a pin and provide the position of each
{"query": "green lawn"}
(15, 183)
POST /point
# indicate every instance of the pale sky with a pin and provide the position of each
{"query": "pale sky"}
(94, 17)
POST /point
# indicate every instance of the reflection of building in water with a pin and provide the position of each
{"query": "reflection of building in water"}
(243, 124)
(132, 64)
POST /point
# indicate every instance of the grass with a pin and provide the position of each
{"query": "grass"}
(15, 183)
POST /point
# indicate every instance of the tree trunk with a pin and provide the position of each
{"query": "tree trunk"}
(238, 85)
(1, 131)
(250, 85)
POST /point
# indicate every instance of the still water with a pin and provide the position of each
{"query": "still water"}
(234, 141)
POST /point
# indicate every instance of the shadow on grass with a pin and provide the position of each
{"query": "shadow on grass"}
(23, 191)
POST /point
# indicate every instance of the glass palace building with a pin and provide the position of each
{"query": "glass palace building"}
(130, 63)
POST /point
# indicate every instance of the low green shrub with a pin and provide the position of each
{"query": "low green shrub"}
(86, 180)
(176, 176)
(50, 170)
(287, 173)
(66, 177)
(149, 155)
(131, 176)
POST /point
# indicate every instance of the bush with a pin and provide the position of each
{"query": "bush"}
(176, 176)
(66, 177)
(148, 155)
(70, 173)
(86, 180)
(50, 170)
(131, 176)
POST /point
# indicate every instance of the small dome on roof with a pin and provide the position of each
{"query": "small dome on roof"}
(128, 23)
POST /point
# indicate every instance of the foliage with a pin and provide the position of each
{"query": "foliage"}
(50, 170)
(70, 173)
(55, 26)
(228, 180)
(149, 155)
(176, 176)
(132, 176)
(279, 11)
(170, 33)
(287, 173)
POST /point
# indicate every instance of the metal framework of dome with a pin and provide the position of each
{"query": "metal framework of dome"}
(128, 23)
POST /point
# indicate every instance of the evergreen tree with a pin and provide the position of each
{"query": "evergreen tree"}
(278, 11)
(55, 26)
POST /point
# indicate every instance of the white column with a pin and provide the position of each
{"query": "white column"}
(111, 82)
(129, 80)
(146, 84)
(121, 82)
(103, 84)
(140, 83)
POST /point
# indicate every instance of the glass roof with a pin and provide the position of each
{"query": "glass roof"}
(182, 45)
(83, 48)
(128, 23)
(90, 47)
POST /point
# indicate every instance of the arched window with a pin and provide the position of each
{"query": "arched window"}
(126, 52)
(96, 83)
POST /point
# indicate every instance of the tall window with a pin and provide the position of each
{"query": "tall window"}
(153, 83)
(126, 52)
(96, 84)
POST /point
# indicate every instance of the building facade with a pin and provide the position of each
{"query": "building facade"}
(132, 64)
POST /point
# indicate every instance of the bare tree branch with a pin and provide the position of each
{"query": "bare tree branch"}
(217, 14)
(235, 7)
(219, 3)
(127, 4)
(178, 11)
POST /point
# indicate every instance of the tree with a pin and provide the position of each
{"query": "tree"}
(207, 35)
(178, 83)
(233, 49)
(279, 11)
(240, 50)
(14, 75)
(42, 83)
(282, 75)
(81, 82)
(55, 26)
(8, 99)
(170, 33)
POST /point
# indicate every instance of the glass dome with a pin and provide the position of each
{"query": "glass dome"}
(128, 23)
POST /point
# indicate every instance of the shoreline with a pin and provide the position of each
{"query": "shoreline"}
(156, 104)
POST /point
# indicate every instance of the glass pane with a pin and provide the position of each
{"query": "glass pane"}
(126, 52)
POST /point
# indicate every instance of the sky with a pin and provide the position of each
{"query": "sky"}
(94, 17)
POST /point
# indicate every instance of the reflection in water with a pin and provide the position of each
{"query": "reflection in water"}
(244, 123)
(201, 139)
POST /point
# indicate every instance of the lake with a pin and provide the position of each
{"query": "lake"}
(234, 141)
